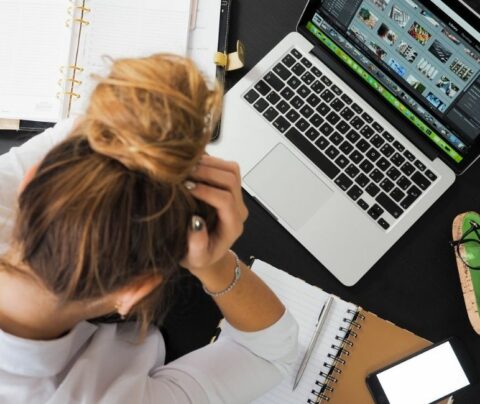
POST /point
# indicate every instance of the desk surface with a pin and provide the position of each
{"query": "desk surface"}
(416, 283)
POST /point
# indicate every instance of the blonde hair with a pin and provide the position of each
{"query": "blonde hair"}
(108, 205)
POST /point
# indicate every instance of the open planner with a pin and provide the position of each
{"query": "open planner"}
(353, 342)
(50, 48)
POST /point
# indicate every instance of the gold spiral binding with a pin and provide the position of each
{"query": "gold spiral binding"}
(71, 67)
(76, 20)
(69, 93)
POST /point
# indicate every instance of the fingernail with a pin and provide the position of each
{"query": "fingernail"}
(190, 185)
(197, 223)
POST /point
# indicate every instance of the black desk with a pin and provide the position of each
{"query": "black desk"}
(415, 284)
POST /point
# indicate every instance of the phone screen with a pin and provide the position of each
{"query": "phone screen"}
(424, 378)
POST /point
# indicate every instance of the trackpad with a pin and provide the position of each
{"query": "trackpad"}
(287, 186)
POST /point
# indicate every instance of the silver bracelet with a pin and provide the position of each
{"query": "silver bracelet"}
(236, 278)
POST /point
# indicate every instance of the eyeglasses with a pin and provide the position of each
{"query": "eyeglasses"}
(468, 248)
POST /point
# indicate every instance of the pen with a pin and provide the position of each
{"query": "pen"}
(313, 341)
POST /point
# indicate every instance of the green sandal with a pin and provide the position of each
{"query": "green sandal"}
(466, 236)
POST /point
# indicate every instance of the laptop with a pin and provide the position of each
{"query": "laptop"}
(352, 127)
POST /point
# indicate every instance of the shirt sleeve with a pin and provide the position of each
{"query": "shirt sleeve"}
(13, 166)
(238, 368)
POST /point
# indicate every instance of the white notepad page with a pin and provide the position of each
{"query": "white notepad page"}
(128, 29)
(304, 301)
(34, 44)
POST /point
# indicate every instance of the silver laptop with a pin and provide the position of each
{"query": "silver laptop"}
(329, 166)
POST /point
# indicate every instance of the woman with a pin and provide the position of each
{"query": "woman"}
(121, 198)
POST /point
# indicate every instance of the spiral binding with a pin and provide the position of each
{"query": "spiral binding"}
(339, 352)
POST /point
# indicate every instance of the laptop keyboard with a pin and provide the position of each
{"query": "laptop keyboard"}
(363, 159)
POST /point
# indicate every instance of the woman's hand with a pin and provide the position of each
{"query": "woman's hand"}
(218, 183)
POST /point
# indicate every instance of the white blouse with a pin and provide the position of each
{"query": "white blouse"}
(104, 363)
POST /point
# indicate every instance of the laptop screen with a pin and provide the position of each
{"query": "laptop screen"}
(425, 67)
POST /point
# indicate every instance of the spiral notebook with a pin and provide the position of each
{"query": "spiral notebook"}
(50, 48)
(353, 343)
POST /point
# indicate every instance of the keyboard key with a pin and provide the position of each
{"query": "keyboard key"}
(372, 190)
(407, 169)
(303, 91)
(292, 115)
(387, 185)
(306, 62)
(312, 134)
(298, 69)
(404, 183)
(343, 127)
(376, 175)
(363, 145)
(326, 129)
(346, 99)
(343, 182)
(336, 138)
(308, 78)
(355, 192)
(409, 156)
(397, 195)
(377, 127)
(306, 111)
(336, 90)
(251, 96)
(357, 108)
(322, 142)
(366, 131)
(302, 124)
(282, 71)
(274, 81)
(313, 100)
(377, 141)
(315, 155)
(414, 191)
(326, 81)
(419, 165)
(367, 118)
(327, 95)
(296, 53)
(389, 205)
(364, 205)
(273, 97)
(297, 102)
(289, 60)
(352, 171)
(353, 136)
(420, 180)
(362, 180)
(333, 118)
(332, 152)
(260, 105)
(318, 87)
(388, 137)
(393, 173)
(373, 154)
(283, 106)
(346, 147)
(431, 176)
(398, 146)
(347, 113)
(408, 201)
(316, 72)
(287, 93)
(270, 114)
(397, 159)
(356, 156)
(383, 223)
(281, 124)
(337, 105)
(357, 123)
(375, 211)
(387, 150)
(293, 82)
(383, 164)
(341, 161)
(323, 109)
(366, 166)
(262, 87)
(316, 120)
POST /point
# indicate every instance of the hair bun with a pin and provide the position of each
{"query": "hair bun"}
(153, 115)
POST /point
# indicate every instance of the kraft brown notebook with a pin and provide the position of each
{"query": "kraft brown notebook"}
(353, 343)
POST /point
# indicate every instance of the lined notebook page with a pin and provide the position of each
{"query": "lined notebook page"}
(34, 44)
(128, 29)
(304, 301)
